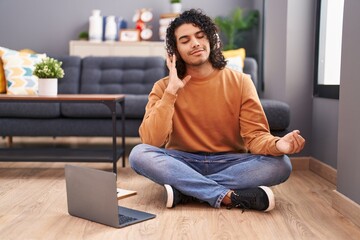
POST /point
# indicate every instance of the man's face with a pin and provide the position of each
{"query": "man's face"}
(192, 44)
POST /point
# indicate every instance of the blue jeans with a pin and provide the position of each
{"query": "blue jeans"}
(208, 177)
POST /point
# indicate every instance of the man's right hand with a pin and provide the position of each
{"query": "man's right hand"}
(175, 83)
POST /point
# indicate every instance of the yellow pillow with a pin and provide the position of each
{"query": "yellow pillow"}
(2, 78)
(27, 50)
(235, 57)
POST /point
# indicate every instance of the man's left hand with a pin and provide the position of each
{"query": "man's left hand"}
(292, 142)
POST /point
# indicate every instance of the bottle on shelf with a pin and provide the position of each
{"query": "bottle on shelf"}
(95, 26)
(110, 28)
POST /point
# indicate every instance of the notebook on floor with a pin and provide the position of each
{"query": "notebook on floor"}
(92, 195)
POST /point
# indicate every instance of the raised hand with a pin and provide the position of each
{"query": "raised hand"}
(292, 142)
(175, 83)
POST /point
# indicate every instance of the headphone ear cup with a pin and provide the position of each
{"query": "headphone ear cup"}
(218, 42)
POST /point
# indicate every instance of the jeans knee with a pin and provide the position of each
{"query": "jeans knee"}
(135, 155)
(286, 167)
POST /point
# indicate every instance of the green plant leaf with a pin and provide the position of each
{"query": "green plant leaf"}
(236, 22)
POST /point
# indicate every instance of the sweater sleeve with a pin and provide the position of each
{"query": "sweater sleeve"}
(254, 127)
(157, 123)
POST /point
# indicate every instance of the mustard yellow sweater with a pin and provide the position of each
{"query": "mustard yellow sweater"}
(221, 113)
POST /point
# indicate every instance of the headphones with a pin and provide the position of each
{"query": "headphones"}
(218, 42)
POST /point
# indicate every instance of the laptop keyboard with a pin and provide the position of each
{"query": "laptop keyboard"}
(125, 219)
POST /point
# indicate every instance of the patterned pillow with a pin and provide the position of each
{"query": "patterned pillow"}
(18, 67)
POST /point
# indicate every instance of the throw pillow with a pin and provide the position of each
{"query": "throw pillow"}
(18, 67)
(2, 78)
(235, 58)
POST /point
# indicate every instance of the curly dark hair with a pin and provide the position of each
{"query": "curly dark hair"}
(206, 24)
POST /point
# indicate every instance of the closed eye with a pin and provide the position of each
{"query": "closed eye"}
(200, 35)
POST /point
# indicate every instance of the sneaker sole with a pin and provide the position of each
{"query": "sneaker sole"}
(271, 198)
(169, 196)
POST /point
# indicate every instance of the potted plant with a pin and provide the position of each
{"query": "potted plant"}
(175, 6)
(236, 23)
(48, 70)
(83, 35)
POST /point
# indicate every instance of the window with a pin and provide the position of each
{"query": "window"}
(328, 48)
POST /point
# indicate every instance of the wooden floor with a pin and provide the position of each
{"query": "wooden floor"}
(33, 206)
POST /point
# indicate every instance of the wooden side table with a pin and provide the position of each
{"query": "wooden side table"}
(69, 154)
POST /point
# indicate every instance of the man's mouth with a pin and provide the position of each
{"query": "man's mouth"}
(197, 51)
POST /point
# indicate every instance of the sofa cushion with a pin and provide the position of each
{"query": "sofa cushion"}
(70, 83)
(127, 75)
(134, 108)
(29, 110)
(132, 76)
(277, 114)
(135, 105)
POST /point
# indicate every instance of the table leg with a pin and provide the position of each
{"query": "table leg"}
(122, 104)
(112, 107)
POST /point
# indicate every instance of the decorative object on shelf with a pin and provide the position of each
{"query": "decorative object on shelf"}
(95, 26)
(141, 18)
(165, 20)
(83, 35)
(232, 26)
(146, 34)
(121, 24)
(176, 6)
(129, 35)
(48, 71)
(110, 28)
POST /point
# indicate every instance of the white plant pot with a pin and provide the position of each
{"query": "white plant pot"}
(48, 86)
(176, 7)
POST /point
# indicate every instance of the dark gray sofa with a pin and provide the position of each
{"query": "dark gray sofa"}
(133, 76)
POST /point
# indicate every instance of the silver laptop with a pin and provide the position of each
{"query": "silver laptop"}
(92, 195)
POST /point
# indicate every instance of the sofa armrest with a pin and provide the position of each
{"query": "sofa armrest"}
(251, 68)
(277, 114)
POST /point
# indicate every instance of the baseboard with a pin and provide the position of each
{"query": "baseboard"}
(346, 207)
(316, 166)
(323, 170)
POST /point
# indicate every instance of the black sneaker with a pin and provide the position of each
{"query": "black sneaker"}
(260, 198)
(174, 197)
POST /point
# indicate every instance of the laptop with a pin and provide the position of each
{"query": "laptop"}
(92, 195)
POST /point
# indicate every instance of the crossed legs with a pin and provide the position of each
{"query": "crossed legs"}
(208, 177)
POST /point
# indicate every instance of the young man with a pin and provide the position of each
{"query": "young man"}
(205, 135)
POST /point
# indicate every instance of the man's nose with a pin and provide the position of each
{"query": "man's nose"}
(195, 43)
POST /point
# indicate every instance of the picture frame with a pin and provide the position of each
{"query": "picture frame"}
(129, 35)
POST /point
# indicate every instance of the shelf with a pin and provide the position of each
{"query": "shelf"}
(141, 48)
